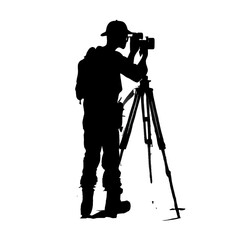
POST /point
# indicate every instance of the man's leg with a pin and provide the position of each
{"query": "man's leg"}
(111, 177)
(89, 173)
(110, 160)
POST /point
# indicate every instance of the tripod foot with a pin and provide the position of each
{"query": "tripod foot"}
(178, 215)
(177, 211)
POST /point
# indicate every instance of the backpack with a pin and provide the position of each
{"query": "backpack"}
(88, 69)
(85, 74)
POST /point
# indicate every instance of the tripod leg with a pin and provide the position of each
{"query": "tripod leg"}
(160, 140)
(129, 125)
(168, 173)
(147, 130)
(162, 146)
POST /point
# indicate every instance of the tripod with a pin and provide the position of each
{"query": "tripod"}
(145, 93)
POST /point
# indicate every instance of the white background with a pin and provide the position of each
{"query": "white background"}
(195, 73)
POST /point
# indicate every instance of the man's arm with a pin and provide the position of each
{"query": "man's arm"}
(142, 63)
(135, 71)
(134, 47)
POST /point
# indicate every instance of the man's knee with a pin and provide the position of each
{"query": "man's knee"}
(111, 179)
(88, 180)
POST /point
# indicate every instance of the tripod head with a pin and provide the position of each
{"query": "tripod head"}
(144, 83)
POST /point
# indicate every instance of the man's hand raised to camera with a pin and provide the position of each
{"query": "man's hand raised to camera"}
(134, 47)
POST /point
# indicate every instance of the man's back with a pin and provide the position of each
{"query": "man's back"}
(104, 81)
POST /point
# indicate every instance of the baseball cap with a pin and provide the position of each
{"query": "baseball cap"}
(116, 28)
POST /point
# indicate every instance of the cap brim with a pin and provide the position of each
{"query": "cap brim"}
(105, 33)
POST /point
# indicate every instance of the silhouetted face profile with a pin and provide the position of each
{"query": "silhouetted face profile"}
(119, 40)
(123, 41)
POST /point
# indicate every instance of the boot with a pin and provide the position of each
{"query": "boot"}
(114, 205)
(87, 202)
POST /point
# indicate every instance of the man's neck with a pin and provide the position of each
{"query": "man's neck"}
(111, 46)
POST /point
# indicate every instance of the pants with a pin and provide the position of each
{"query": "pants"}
(101, 135)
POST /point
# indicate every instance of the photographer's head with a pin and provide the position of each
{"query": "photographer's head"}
(117, 34)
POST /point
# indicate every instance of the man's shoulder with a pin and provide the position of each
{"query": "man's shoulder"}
(91, 51)
(103, 49)
(103, 54)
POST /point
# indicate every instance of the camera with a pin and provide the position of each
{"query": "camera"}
(148, 43)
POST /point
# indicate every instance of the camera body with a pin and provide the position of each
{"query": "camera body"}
(148, 43)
